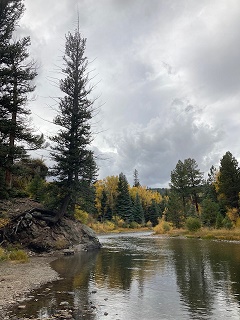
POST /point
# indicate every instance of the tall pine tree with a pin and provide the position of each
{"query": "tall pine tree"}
(74, 166)
(195, 180)
(229, 181)
(179, 182)
(138, 212)
(16, 75)
(124, 206)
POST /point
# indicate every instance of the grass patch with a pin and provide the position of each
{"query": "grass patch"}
(206, 233)
(18, 256)
(15, 255)
(110, 227)
(3, 255)
(3, 222)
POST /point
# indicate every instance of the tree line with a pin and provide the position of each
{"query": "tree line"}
(214, 201)
(134, 205)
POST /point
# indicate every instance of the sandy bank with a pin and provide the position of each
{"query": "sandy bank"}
(18, 279)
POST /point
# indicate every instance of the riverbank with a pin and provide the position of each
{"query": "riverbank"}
(205, 233)
(19, 279)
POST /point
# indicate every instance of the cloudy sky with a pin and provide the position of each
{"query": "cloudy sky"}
(167, 74)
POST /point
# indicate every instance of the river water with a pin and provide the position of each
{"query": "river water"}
(143, 277)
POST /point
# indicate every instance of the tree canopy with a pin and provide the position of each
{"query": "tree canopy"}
(74, 166)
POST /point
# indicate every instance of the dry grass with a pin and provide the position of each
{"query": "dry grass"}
(18, 256)
(206, 233)
(3, 222)
(221, 234)
(15, 255)
(3, 254)
(110, 227)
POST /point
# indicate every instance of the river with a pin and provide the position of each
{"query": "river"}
(138, 276)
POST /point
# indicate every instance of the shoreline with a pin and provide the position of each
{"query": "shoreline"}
(17, 280)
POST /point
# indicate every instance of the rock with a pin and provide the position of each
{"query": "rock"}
(21, 307)
(64, 303)
(41, 236)
(68, 252)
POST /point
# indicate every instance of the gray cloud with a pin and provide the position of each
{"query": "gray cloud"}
(167, 77)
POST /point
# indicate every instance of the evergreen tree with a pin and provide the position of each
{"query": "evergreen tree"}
(16, 76)
(186, 181)
(179, 182)
(195, 180)
(124, 206)
(74, 166)
(229, 180)
(138, 212)
(10, 13)
(108, 213)
(153, 213)
(210, 210)
(136, 182)
(210, 191)
(174, 212)
(103, 206)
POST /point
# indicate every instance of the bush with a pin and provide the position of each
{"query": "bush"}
(162, 227)
(36, 188)
(120, 222)
(18, 255)
(219, 221)
(3, 222)
(238, 223)
(149, 224)
(3, 255)
(133, 225)
(193, 224)
(81, 215)
(104, 227)
(227, 223)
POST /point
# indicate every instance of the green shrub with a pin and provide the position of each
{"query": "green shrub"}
(193, 224)
(18, 255)
(36, 188)
(3, 255)
(133, 225)
(219, 221)
(227, 223)
(81, 215)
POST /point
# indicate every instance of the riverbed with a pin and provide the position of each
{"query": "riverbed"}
(143, 277)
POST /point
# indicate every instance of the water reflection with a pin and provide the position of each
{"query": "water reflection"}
(144, 277)
(206, 277)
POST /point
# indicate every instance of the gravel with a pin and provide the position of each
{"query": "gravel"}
(18, 279)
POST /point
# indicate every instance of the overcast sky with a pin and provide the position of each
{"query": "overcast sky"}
(167, 73)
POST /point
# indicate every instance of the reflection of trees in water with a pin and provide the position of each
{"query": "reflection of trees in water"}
(118, 269)
(204, 270)
(78, 273)
(193, 275)
(207, 274)
(225, 261)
